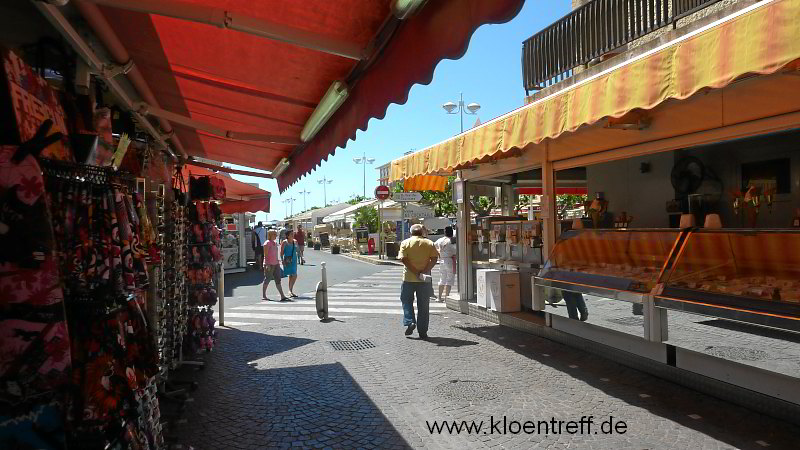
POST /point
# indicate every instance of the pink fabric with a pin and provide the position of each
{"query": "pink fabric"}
(271, 253)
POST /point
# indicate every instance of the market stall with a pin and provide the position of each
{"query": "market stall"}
(240, 199)
(687, 202)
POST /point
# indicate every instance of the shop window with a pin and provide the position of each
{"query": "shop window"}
(774, 174)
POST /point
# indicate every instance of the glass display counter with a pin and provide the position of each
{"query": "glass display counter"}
(747, 275)
(621, 264)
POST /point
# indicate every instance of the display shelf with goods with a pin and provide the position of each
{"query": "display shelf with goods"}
(745, 275)
(609, 263)
(102, 247)
(202, 273)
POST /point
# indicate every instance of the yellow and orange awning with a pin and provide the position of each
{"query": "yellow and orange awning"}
(761, 39)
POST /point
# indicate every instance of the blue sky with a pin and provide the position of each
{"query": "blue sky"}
(489, 74)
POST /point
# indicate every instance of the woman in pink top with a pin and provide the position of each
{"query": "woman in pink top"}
(272, 266)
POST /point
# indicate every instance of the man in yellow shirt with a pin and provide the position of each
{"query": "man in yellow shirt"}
(418, 255)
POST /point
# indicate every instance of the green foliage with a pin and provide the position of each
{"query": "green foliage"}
(366, 217)
(482, 205)
(569, 201)
(356, 199)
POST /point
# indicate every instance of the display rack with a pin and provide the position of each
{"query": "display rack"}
(616, 264)
(746, 275)
(102, 253)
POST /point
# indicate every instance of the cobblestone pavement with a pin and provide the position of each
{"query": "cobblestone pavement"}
(281, 383)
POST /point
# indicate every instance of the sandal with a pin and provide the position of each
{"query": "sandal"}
(293, 295)
(285, 299)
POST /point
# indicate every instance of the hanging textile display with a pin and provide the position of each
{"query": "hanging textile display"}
(102, 262)
(35, 358)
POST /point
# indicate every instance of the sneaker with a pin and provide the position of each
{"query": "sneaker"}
(410, 329)
(423, 335)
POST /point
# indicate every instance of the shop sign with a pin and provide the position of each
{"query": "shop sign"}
(382, 192)
(418, 214)
(406, 196)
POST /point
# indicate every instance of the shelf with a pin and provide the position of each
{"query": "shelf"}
(589, 289)
(747, 315)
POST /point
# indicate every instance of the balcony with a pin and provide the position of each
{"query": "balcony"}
(597, 29)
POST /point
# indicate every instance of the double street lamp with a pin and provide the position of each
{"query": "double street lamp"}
(452, 108)
(289, 202)
(364, 161)
(324, 182)
(304, 192)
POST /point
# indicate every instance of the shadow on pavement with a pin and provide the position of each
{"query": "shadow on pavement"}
(242, 405)
(446, 341)
(732, 424)
(251, 277)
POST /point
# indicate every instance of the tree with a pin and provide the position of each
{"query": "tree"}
(357, 199)
(482, 205)
(367, 217)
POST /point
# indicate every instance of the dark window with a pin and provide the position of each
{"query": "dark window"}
(763, 173)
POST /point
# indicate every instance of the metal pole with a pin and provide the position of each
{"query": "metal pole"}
(364, 162)
(221, 294)
(324, 191)
(461, 108)
(403, 221)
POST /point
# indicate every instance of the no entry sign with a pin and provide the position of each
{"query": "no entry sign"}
(382, 192)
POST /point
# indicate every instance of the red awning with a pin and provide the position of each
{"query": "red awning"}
(241, 82)
(239, 196)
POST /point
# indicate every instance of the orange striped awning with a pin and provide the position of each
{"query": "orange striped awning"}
(760, 39)
(425, 183)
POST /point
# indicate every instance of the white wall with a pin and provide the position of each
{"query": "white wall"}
(726, 161)
(641, 195)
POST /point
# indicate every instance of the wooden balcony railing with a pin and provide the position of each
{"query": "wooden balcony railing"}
(593, 30)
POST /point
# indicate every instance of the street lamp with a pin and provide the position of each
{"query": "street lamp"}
(364, 161)
(324, 181)
(289, 202)
(304, 192)
(452, 108)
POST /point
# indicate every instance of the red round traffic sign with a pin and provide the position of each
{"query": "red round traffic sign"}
(382, 192)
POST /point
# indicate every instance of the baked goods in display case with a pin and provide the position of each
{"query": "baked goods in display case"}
(761, 287)
(762, 265)
(629, 260)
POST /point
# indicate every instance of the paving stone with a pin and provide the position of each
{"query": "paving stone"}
(302, 393)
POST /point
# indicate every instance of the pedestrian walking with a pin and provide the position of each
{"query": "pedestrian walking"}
(259, 239)
(418, 255)
(284, 230)
(272, 266)
(300, 237)
(289, 259)
(446, 247)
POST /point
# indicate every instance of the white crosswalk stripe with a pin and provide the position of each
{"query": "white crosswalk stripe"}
(374, 295)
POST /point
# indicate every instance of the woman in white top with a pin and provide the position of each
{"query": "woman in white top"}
(447, 251)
